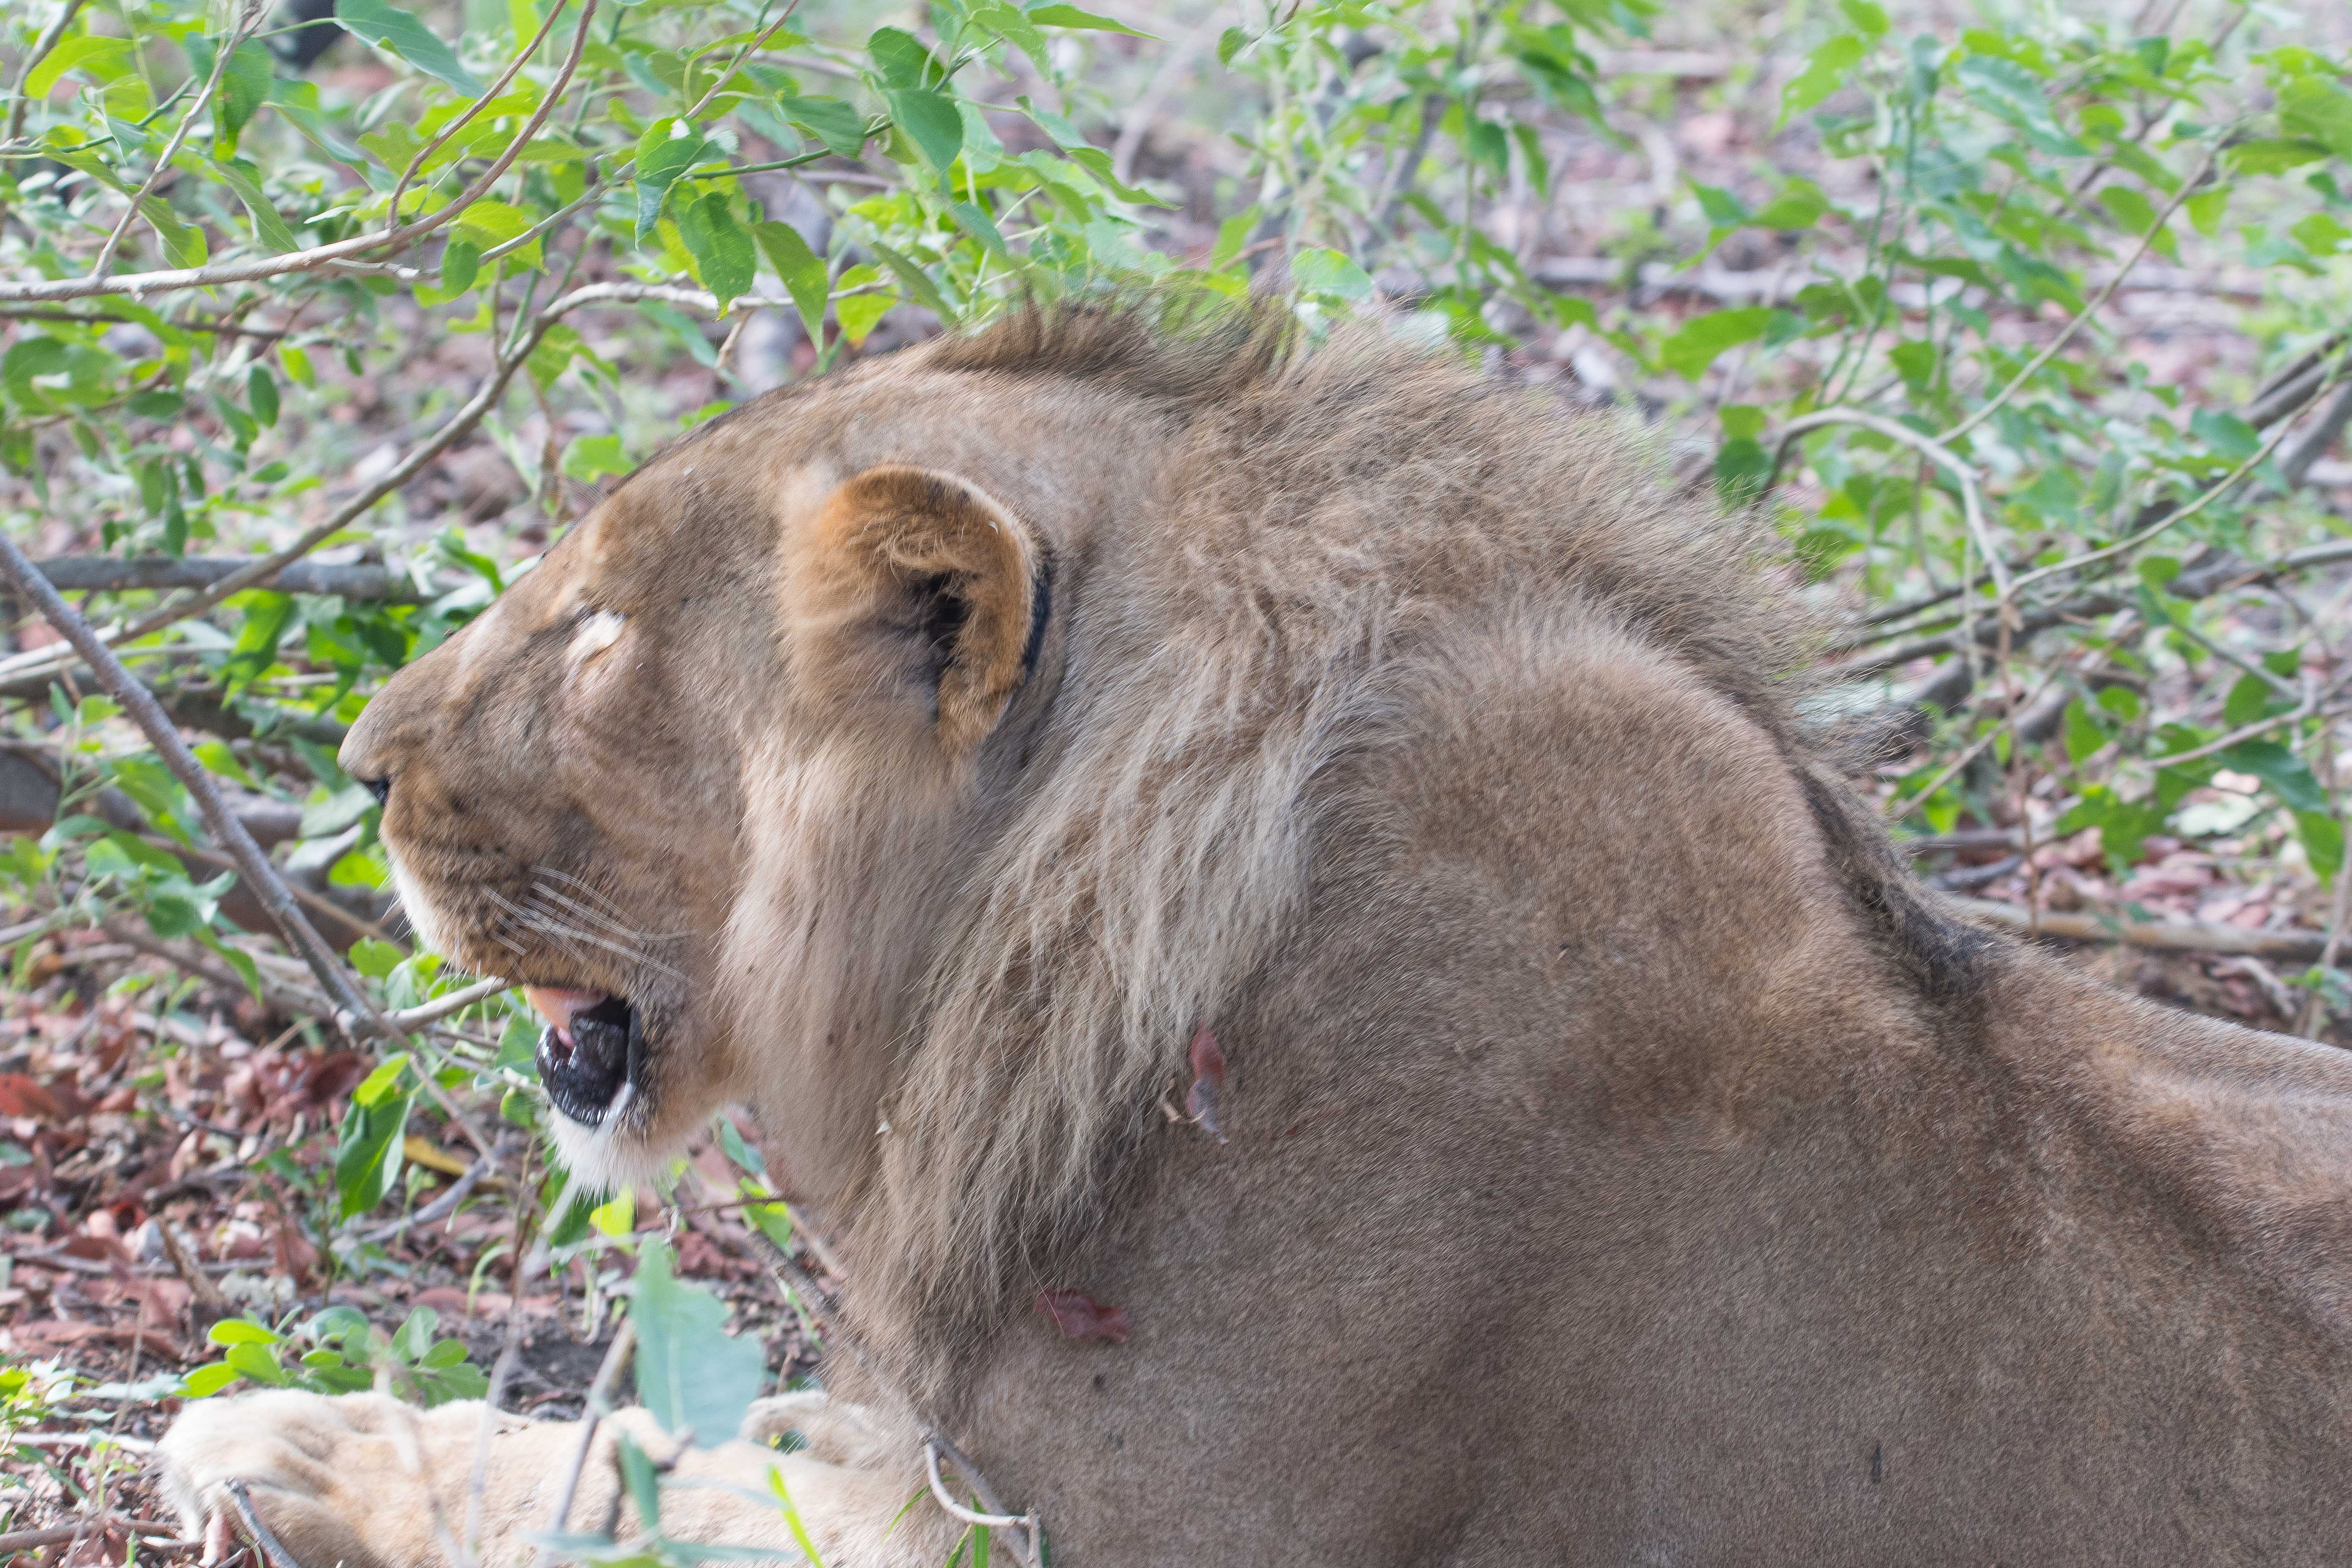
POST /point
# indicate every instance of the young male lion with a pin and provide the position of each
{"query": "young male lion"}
(1311, 851)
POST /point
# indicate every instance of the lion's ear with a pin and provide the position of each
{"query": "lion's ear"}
(944, 585)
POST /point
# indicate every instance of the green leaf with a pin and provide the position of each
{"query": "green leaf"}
(2130, 209)
(2248, 700)
(1825, 71)
(2083, 735)
(2288, 775)
(184, 243)
(2231, 438)
(383, 1080)
(593, 457)
(930, 119)
(1798, 206)
(2315, 107)
(832, 122)
(268, 226)
(643, 1486)
(2323, 842)
(266, 616)
(663, 155)
(261, 395)
(218, 759)
(917, 283)
(858, 313)
(244, 89)
(2016, 95)
(207, 1380)
(1865, 16)
(693, 1375)
(774, 1221)
(1316, 270)
(1232, 235)
(237, 958)
(337, 812)
(976, 223)
(388, 26)
(371, 957)
(253, 1361)
(461, 263)
(724, 259)
(617, 1216)
(368, 1153)
(2273, 155)
(1070, 16)
(791, 1513)
(491, 223)
(800, 271)
(1723, 209)
(240, 1331)
(902, 59)
(1695, 346)
(746, 1158)
(99, 58)
(414, 1336)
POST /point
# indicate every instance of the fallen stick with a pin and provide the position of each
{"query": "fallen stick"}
(2162, 936)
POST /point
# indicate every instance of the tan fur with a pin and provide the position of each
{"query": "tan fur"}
(1627, 1161)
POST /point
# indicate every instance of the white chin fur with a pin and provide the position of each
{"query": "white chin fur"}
(422, 918)
(610, 1157)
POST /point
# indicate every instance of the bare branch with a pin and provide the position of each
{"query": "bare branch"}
(110, 575)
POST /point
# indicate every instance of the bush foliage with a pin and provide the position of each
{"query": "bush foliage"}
(258, 300)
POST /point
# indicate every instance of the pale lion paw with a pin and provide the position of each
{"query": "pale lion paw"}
(349, 1480)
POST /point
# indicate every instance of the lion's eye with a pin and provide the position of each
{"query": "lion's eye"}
(597, 632)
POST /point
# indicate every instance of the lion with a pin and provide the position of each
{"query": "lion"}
(1277, 902)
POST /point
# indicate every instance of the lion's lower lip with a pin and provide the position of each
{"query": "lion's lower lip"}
(584, 1065)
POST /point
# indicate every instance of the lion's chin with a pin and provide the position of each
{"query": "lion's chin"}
(613, 1155)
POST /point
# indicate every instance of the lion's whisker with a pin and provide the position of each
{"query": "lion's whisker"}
(598, 917)
(585, 889)
(547, 925)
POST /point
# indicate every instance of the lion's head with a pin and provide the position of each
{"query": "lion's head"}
(918, 756)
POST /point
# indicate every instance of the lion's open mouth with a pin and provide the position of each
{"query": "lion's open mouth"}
(592, 1047)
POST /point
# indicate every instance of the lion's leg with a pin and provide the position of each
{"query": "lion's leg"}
(368, 1482)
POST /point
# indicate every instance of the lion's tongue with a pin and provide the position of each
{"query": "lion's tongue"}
(559, 1007)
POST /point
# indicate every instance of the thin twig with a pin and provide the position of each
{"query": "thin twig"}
(600, 1398)
(440, 1007)
(262, 1535)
